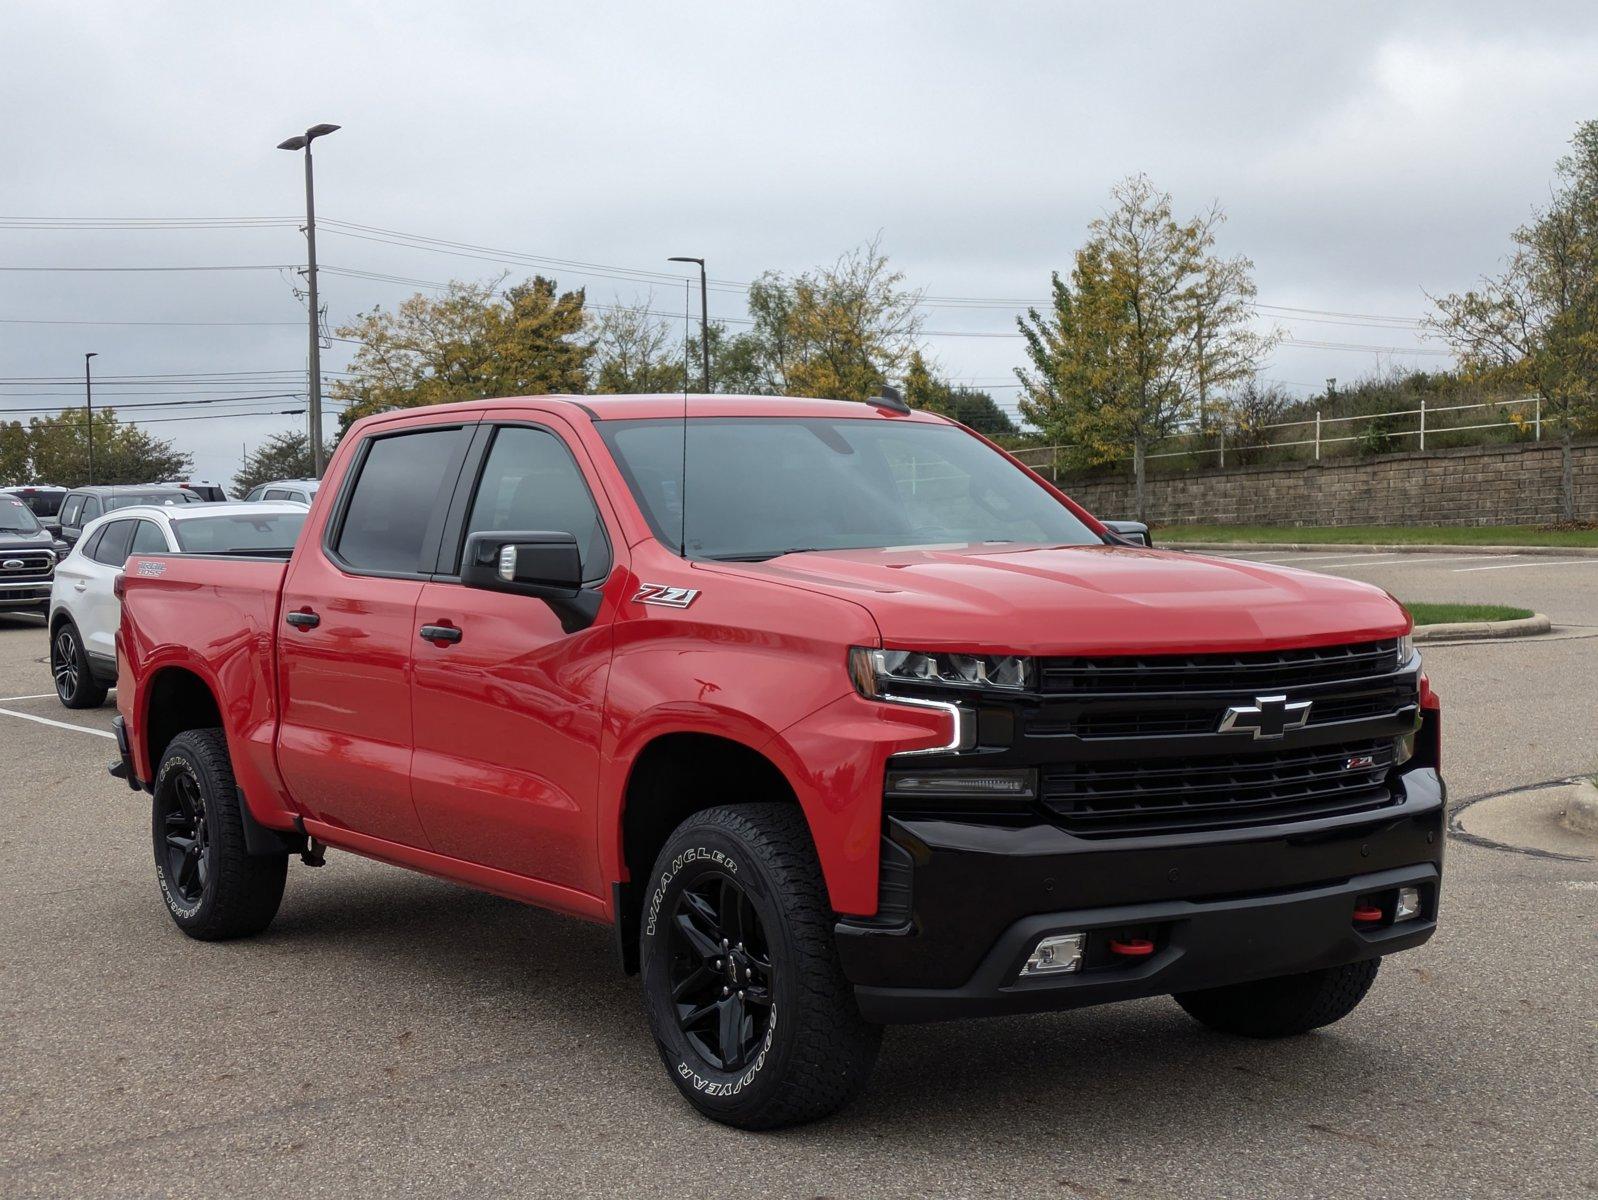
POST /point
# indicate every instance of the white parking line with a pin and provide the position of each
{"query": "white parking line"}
(1418, 560)
(40, 696)
(1564, 562)
(11, 712)
(1362, 562)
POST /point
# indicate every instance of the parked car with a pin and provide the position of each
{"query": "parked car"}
(203, 488)
(302, 490)
(43, 498)
(27, 558)
(82, 506)
(84, 608)
(834, 713)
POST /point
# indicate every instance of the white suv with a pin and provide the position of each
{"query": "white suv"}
(84, 610)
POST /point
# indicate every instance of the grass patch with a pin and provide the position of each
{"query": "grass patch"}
(1447, 614)
(1382, 535)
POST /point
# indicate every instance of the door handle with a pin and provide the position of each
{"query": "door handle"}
(441, 634)
(303, 620)
(81, 585)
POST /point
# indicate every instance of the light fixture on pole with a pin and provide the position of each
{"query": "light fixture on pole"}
(88, 403)
(303, 142)
(704, 320)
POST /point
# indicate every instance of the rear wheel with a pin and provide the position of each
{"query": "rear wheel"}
(212, 888)
(1286, 1005)
(753, 1017)
(74, 682)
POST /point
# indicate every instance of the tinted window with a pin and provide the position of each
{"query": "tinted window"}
(239, 533)
(398, 503)
(759, 486)
(255, 494)
(91, 542)
(148, 539)
(91, 509)
(112, 548)
(70, 511)
(278, 494)
(531, 483)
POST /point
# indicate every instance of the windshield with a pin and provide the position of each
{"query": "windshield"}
(238, 534)
(159, 499)
(16, 517)
(763, 486)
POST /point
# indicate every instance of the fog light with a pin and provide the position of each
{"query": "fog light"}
(1055, 955)
(1408, 907)
(1017, 785)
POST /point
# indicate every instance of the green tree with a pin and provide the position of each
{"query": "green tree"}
(15, 459)
(1145, 329)
(636, 351)
(925, 389)
(281, 456)
(839, 332)
(475, 340)
(1535, 324)
(58, 450)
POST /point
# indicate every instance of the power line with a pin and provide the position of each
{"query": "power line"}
(196, 324)
(228, 267)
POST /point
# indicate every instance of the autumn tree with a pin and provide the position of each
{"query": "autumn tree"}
(1535, 324)
(1147, 327)
(636, 350)
(281, 456)
(15, 459)
(925, 389)
(838, 332)
(475, 340)
(58, 450)
(1250, 414)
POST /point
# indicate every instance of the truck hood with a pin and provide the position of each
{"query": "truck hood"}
(1087, 599)
(26, 541)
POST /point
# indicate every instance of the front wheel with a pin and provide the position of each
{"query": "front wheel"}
(748, 1003)
(213, 889)
(75, 684)
(1286, 1005)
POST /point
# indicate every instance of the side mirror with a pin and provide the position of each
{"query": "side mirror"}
(1133, 532)
(53, 528)
(543, 564)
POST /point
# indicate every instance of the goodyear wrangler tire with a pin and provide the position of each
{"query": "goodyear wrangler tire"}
(212, 888)
(746, 998)
(1284, 1006)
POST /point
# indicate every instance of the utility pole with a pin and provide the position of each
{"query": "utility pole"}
(303, 142)
(88, 402)
(704, 320)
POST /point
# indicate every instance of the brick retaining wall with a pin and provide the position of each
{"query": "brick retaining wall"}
(1477, 485)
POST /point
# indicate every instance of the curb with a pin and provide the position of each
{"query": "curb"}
(1581, 814)
(1372, 548)
(1524, 627)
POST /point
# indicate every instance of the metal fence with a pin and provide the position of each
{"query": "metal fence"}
(1324, 432)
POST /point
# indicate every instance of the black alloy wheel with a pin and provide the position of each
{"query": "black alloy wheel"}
(721, 975)
(64, 662)
(186, 858)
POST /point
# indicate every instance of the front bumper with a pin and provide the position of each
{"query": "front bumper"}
(24, 595)
(1222, 907)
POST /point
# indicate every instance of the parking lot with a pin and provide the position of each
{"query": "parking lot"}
(393, 1034)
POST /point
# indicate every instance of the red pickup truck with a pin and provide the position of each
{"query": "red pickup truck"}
(837, 714)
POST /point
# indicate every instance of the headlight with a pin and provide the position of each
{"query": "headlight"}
(1406, 648)
(877, 671)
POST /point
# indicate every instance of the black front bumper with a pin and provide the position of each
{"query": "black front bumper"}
(1220, 907)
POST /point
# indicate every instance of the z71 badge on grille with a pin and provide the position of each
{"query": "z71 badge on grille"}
(665, 595)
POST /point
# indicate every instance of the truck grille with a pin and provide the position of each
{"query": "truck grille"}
(1252, 672)
(1108, 799)
(35, 566)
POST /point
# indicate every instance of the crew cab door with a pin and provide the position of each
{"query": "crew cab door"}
(508, 700)
(348, 631)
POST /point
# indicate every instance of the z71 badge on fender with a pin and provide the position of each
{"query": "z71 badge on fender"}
(664, 594)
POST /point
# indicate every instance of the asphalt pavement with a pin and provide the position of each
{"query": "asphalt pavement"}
(393, 1034)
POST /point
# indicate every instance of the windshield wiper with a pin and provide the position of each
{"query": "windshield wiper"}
(763, 555)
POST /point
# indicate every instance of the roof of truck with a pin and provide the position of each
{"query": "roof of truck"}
(670, 404)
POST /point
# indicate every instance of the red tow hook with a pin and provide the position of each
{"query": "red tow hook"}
(1131, 947)
(1367, 914)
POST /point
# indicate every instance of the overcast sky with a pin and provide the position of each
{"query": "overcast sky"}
(1366, 154)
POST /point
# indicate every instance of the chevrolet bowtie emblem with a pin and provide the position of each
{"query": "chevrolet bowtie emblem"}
(1267, 717)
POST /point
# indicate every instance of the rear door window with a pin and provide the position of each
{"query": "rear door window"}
(148, 539)
(91, 509)
(70, 511)
(112, 548)
(278, 494)
(397, 506)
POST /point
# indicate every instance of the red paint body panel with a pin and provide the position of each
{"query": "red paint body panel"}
(502, 761)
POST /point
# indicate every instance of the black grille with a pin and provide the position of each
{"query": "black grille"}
(37, 566)
(1171, 716)
(1105, 799)
(1251, 672)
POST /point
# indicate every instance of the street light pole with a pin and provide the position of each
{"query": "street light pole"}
(88, 401)
(303, 142)
(704, 319)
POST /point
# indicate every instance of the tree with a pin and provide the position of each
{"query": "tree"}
(925, 389)
(838, 332)
(58, 450)
(1249, 415)
(15, 459)
(281, 456)
(475, 340)
(1535, 325)
(637, 351)
(1149, 323)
